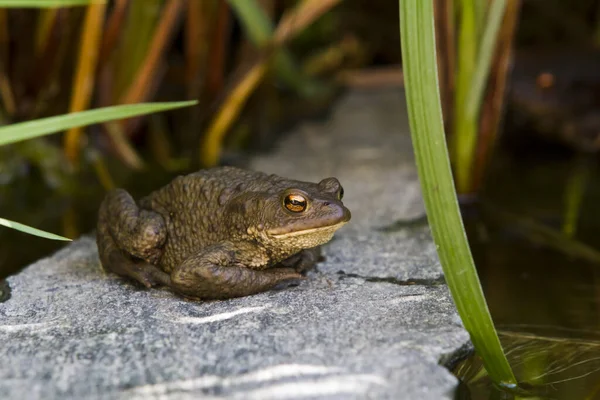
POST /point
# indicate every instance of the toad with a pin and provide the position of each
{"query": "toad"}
(220, 233)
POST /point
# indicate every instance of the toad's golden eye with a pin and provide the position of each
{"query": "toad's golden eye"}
(295, 202)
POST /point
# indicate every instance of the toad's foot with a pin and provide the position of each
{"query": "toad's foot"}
(214, 274)
(304, 260)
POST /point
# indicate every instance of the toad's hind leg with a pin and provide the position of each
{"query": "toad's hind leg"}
(138, 232)
(129, 239)
(213, 274)
(115, 260)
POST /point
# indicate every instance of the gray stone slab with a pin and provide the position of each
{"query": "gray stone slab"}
(373, 321)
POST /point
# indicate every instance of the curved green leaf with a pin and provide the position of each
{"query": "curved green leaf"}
(31, 129)
(417, 38)
(30, 230)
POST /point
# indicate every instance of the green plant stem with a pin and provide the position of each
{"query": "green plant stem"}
(32, 231)
(465, 129)
(433, 164)
(46, 3)
(484, 58)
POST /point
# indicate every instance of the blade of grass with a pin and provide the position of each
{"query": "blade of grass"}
(464, 135)
(484, 57)
(474, 70)
(83, 83)
(31, 129)
(480, 7)
(475, 85)
(32, 231)
(427, 131)
(47, 3)
(493, 104)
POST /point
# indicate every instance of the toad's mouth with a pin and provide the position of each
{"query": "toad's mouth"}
(279, 234)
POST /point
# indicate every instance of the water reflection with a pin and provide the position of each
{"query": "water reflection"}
(544, 301)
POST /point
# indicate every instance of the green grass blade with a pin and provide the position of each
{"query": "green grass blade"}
(257, 24)
(46, 3)
(31, 129)
(259, 29)
(464, 135)
(484, 57)
(433, 164)
(30, 230)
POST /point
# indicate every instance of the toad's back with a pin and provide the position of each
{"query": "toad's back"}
(194, 209)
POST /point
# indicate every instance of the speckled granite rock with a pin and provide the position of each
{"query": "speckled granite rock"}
(373, 321)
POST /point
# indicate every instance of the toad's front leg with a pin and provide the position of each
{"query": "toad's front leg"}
(304, 260)
(215, 273)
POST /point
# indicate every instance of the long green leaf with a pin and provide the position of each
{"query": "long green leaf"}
(427, 130)
(485, 56)
(465, 129)
(30, 129)
(30, 230)
(45, 3)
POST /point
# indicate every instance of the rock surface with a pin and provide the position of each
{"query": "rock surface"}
(373, 321)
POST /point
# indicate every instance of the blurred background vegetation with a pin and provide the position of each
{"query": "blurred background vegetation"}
(255, 67)
(520, 86)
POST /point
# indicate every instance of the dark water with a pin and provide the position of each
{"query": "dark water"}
(545, 300)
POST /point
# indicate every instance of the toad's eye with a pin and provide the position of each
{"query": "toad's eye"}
(295, 203)
(341, 193)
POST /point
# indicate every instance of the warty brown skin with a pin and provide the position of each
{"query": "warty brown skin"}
(220, 233)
